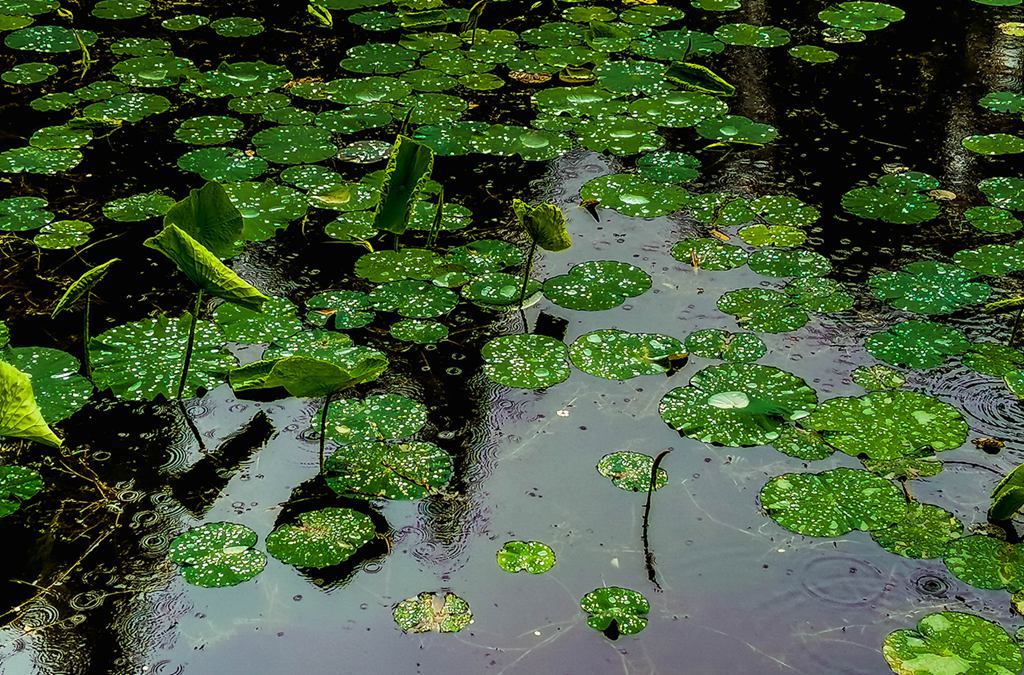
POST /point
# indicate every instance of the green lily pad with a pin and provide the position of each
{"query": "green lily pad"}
(991, 260)
(30, 159)
(162, 70)
(217, 554)
(928, 287)
(237, 26)
(818, 294)
(952, 642)
(861, 15)
(60, 138)
(185, 22)
(407, 263)
(917, 344)
(832, 503)
(321, 538)
(776, 262)
(710, 254)
(631, 471)
(813, 54)
(900, 199)
(986, 562)
(628, 610)
(632, 77)
(18, 484)
(21, 214)
(678, 109)
(719, 209)
(737, 129)
(410, 470)
(420, 331)
(668, 167)
(621, 136)
(377, 58)
(29, 73)
(618, 355)
(485, 255)
(133, 107)
(294, 144)
(120, 9)
(634, 196)
(382, 417)
(241, 78)
(1003, 192)
(208, 130)
(713, 343)
(888, 424)
(265, 207)
(19, 414)
(763, 310)
(137, 208)
(923, 533)
(1003, 101)
(745, 34)
(802, 444)
(784, 210)
(597, 285)
(413, 299)
(993, 359)
(525, 361)
(278, 320)
(318, 344)
(992, 219)
(143, 359)
(49, 39)
(780, 236)
(994, 144)
(340, 310)
(59, 390)
(737, 404)
(223, 164)
(878, 377)
(431, 613)
(534, 557)
(922, 464)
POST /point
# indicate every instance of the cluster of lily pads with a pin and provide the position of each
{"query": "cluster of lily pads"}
(622, 77)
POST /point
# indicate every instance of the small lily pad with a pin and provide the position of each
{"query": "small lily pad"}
(410, 470)
(525, 361)
(618, 355)
(923, 533)
(737, 129)
(832, 503)
(430, 612)
(321, 538)
(631, 471)
(625, 608)
(420, 331)
(994, 144)
(217, 554)
(534, 557)
(710, 254)
(917, 344)
(597, 285)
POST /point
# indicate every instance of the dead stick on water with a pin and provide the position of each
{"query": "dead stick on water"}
(648, 554)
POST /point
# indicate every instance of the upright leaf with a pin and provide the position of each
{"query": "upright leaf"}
(408, 170)
(81, 287)
(19, 413)
(1008, 495)
(209, 216)
(545, 223)
(204, 268)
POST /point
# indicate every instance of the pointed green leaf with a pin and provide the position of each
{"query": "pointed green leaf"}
(81, 286)
(209, 217)
(19, 413)
(1008, 495)
(408, 170)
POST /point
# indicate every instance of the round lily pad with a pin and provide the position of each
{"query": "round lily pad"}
(986, 562)
(408, 263)
(763, 310)
(922, 464)
(1004, 192)
(29, 73)
(278, 320)
(992, 219)
(888, 424)
(430, 612)
(928, 287)
(525, 361)
(500, 291)
(813, 54)
(49, 39)
(634, 196)
(677, 109)
(924, 532)
(63, 234)
(994, 144)
(618, 355)
(776, 262)
(208, 130)
(420, 331)
(631, 471)
(745, 34)
(410, 470)
(668, 167)
(60, 137)
(621, 136)
(340, 310)
(628, 610)
(952, 642)
(710, 254)
(184, 22)
(534, 557)
(902, 200)
(991, 260)
(294, 144)
(597, 285)
(780, 236)
(860, 15)
(21, 214)
(58, 388)
(737, 404)
(381, 417)
(237, 26)
(414, 299)
(265, 207)
(832, 503)
(137, 208)
(878, 377)
(713, 343)
(917, 344)
(217, 554)
(993, 359)
(17, 484)
(321, 538)
(133, 107)
(223, 164)
(486, 255)
(30, 159)
(737, 129)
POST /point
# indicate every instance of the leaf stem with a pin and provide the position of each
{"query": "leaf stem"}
(86, 358)
(526, 272)
(191, 343)
(648, 553)
(323, 429)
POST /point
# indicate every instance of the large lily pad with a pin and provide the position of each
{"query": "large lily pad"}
(534, 557)
(928, 287)
(619, 355)
(888, 424)
(410, 470)
(737, 404)
(634, 196)
(953, 642)
(626, 608)
(1004, 192)
(278, 320)
(525, 361)
(832, 503)
(597, 285)
(986, 562)
(917, 344)
(415, 299)
(217, 554)
(991, 260)
(321, 538)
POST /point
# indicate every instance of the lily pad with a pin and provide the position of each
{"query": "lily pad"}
(278, 320)
(410, 470)
(534, 557)
(321, 538)
(407, 263)
(625, 608)
(923, 533)
(137, 208)
(745, 34)
(991, 260)
(917, 344)
(414, 299)
(340, 310)
(737, 404)
(952, 642)
(1003, 192)
(888, 424)
(500, 291)
(49, 39)
(902, 199)
(710, 254)
(993, 359)
(763, 310)
(928, 287)
(832, 503)
(878, 377)
(994, 144)
(17, 484)
(677, 109)
(217, 554)
(525, 361)
(430, 612)
(597, 285)
(669, 167)
(737, 129)
(634, 196)
(713, 343)
(922, 464)
(21, 214)
(420, 331)
(381, 417)
(631, 471)
(992, 219)
(223, 164)
(861, 15)
(59, 390)
(294, 144)
(986, 562)
(776, 262)
(618, 355)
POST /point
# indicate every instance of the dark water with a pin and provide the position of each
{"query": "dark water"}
(740, 594)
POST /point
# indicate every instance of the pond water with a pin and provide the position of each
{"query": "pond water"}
(737, 580)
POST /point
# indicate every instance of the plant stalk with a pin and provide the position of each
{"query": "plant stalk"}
(191, 343)
(323, 429)
(86, 359)
(648, 553)
(526, 273)
(1016, 327)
